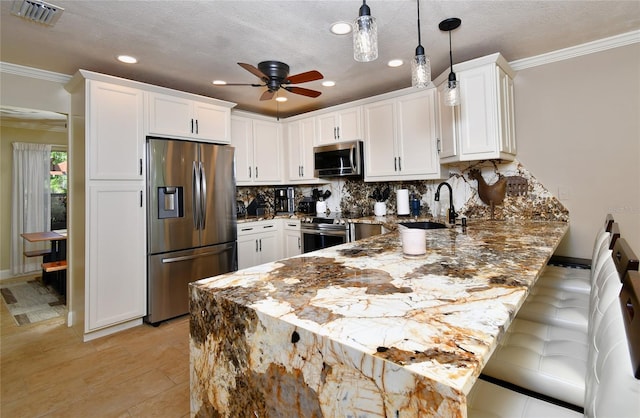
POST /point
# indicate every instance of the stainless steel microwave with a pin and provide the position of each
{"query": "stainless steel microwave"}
(341, 159)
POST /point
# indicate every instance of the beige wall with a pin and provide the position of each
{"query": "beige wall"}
(7, 137)
(578, 131)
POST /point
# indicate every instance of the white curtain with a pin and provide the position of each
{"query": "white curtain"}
(31, 202)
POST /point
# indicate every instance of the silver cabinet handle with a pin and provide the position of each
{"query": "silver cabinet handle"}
(399, 164)
(260, 244)
(338, 129)
(256, 245)
(197, 126)
(438, 146)
(299, 243)
(256, 171)
(249, 172)
(395, 163)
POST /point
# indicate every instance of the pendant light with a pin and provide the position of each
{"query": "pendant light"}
(452, 92)
(365, 35)
(420, 65)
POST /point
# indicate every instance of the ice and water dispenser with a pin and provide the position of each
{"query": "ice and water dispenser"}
(170, 202)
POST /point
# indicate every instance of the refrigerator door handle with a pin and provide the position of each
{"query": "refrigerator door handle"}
(203, 196)
(196, 196)
(193, 257)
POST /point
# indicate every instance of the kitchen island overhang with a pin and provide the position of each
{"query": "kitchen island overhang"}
(359, 329)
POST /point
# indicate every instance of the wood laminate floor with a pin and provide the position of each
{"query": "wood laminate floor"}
(47, 371)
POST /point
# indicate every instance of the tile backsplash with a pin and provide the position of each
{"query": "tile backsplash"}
(353, 196)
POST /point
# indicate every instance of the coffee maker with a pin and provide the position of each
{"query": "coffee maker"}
(285, 202)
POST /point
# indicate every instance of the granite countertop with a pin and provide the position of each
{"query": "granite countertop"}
(427, 324)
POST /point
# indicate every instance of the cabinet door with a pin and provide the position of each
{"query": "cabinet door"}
(294, 151)
(327, 129)
(349, 124)
(170, 116)
(247, 251)
(242, 141)
(268, 247)
(266, 152)
(212, 123)
(300, 140)
(417, 134)
(478, 119)
(448, 129)
(506, 113)
(116, 135)
(380, 127)
(291, 238)
(116, 254)
(308, 139)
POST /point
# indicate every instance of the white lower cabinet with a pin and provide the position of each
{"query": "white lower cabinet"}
(116, 254)
(258, 243)
(292, 242)
(401, 135)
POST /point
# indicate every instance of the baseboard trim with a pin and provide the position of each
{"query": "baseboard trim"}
(90, 336)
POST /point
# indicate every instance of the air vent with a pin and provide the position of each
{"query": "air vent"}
(37, 11)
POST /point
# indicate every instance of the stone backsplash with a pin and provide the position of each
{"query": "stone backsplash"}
(352, 197)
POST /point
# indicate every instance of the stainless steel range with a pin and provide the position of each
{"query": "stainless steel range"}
(323, 231)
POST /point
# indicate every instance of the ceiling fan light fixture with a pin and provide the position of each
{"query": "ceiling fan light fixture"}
(395, 63)
(219, 83)
(328, 83)
(365, 35)
(281, 99)
(452, 92)
(420, 64)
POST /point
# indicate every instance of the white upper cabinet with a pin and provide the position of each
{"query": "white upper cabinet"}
(342, 125)
(179, 117)
(401, 138)
(301, 136)
(482, 126)
(115, 140)
(258, 154)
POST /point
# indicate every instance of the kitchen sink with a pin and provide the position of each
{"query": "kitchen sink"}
(423, 225)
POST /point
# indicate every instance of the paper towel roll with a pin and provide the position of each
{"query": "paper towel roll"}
(402, 200)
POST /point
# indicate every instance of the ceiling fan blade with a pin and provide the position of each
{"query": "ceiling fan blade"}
(302, 91)
(267, 95)
(253, 70)
(240, 84)
(305, 77)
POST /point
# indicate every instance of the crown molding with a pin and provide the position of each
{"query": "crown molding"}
(578, 50)
(15, 69)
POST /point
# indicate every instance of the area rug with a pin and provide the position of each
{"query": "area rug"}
(30, 301)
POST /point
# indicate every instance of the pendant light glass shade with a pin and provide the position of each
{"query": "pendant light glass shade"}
(421, 64)
(420, 69)
(452, 92)
(365, 35)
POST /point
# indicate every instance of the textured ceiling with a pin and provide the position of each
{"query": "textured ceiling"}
(186, 44)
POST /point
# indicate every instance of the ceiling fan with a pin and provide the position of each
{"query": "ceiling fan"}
(275, 75)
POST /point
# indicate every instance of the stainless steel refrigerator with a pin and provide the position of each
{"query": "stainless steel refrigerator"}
(191, 220)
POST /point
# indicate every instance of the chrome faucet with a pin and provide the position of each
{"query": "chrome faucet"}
(452, 212)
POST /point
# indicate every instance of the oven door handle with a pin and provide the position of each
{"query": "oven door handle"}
(330, 233)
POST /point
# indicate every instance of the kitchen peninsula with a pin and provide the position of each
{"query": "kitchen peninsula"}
(361, 330)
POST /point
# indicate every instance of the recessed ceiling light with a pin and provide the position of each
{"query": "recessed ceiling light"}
(341, 28)
(395, 63)
(328, 83)
(219, 82)
(281, 99)
(127, 59)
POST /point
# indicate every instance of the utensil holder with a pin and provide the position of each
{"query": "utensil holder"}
(380, 209)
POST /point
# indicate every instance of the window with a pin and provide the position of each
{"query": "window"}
(58, 183)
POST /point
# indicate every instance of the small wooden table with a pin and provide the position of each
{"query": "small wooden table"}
(54, 262)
